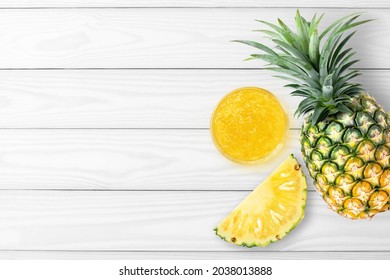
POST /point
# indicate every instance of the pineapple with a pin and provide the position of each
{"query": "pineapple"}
(272, 210)
(345, 137)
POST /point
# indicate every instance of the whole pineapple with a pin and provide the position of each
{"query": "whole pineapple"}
(345, 139)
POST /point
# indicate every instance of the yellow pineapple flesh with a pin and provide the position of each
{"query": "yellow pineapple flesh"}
(271, 211)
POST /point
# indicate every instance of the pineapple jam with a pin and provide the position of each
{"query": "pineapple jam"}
(249, 125)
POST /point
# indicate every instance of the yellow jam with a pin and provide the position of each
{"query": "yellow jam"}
(249, 125)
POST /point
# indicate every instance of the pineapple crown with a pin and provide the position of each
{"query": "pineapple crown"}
(318, 72)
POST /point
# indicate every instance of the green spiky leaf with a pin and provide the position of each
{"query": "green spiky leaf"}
(317, 64)
(257, 45)
(314, 49)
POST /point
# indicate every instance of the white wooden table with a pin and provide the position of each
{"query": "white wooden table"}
(104, 114)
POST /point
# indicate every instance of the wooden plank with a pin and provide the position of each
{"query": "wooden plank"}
(179, 255)
(125, 160)
(194, 3)
(158, 38)
(138, 99)
(160, 221)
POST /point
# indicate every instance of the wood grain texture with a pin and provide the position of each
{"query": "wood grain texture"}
(194, 3)
(125, 160)
(159, 221)
(159, 38)
(156, 187)
(181, 255)
(138, 98)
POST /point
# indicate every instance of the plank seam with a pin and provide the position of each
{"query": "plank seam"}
(108, 128)
(132, 190)
(197, 251)
(192, 7)
(160, 68)
(116, 128)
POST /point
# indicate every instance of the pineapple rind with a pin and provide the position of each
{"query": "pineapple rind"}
(369, 123)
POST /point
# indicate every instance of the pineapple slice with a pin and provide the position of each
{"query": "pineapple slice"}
(271, 211)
